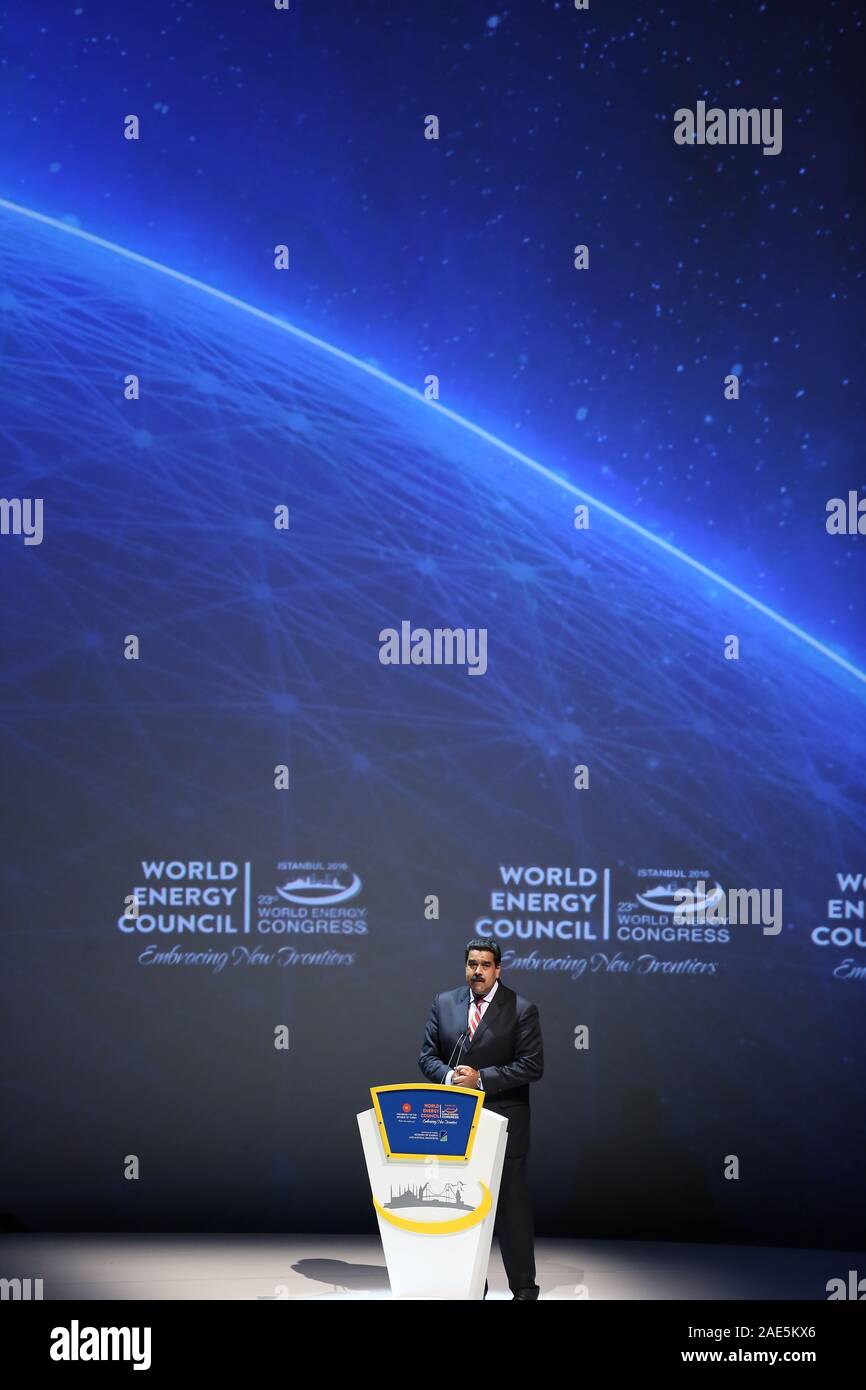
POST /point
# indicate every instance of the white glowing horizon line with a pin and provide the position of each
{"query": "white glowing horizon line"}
(59, 225)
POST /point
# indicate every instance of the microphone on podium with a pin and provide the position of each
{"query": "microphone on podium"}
(459, 1043)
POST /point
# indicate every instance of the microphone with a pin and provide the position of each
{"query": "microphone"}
(459, 1043)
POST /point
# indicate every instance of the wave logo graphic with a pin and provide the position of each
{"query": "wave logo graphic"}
(663, 898)
(440, 1228)
(319, 889)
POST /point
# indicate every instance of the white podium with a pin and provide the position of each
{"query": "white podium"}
(435, 1210)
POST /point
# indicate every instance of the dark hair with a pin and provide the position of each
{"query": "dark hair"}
(481, 943)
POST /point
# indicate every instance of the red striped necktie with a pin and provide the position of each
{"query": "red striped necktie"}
(475, 1016)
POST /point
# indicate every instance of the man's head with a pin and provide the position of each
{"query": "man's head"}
(483, 966)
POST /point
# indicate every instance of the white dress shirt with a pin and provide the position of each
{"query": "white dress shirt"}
(482, 1002)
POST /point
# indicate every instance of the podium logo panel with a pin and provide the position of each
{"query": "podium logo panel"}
(418, 1120)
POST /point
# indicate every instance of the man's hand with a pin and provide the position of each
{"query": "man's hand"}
(466, 1076)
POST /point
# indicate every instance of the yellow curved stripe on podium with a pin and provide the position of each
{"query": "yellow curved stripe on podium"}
(440, 1228)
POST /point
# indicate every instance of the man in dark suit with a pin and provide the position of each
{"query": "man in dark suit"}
(501, 1042)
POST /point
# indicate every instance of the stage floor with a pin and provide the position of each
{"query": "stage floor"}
(262, 1267)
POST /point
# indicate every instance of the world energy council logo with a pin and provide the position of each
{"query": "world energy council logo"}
(843, 928)
(206, 913)
(569, 918)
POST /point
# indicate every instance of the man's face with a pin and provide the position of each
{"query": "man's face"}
(481, 971)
